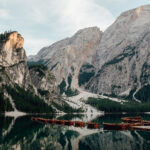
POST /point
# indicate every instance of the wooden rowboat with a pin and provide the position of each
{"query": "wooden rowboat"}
(69, 123)
(79, 124)
(92, 125)
(146, 122)
(43, 120)
(120, 126)
(131, 119)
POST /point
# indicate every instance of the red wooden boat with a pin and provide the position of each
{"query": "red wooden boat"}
(62, 122)
(146, 122)
(92, 125)
(69, 123)
(43, 120)
(79, 124)
(58, 121)
(131, 119)
(120, 126)
(34, 118)
(51, 121)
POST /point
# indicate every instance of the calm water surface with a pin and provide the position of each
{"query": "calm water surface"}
(24, 134)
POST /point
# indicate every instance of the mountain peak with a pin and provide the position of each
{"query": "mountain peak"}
(141, 12)
(11, 46)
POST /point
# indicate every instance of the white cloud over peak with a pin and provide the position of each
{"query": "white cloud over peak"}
(33, 45)
(76, 14)
(52, 20)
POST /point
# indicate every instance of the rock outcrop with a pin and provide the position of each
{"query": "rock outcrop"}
(13, 66)
(45, 83)
(21, 89)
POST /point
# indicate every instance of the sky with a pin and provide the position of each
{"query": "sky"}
(43, 22)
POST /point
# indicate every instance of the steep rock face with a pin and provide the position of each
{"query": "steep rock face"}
(116, 62)
(66, 57)
(21, 90)
(122, 60)
(45, 83)
(13, 66)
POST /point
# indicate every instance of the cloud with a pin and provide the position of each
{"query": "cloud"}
(76, 14)
(51, 20)
(33, 45)
(4, 14)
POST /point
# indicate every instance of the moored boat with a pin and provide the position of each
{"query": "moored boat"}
(79, 124)
(146, 122)
(92, 125)
(131, 119)
(120, 126)
(69, 123)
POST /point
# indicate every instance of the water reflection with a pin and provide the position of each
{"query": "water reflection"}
(24, 134)
(116, 140)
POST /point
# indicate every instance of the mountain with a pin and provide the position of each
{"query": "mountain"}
(123, 56)
(65, 58)
(116, 62)
(22, 87)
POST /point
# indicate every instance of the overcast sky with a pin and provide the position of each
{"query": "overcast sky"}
(42, 22)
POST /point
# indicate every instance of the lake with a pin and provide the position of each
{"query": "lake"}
(24, 134)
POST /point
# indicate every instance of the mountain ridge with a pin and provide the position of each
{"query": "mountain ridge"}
(119, 63)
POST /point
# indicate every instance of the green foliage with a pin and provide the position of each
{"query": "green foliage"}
(2, 69)
(69, 79)
(86, 73)
(71, 92)
(28, 102)
(4, 104)
(111, 106)
(40, 62)
(84, 77)
(38, 66)
(144, 93)
(43, 92)
(54, 66)
(1, 79)
(4, 36)
(62, 86)
(87, 66)
(66, 108)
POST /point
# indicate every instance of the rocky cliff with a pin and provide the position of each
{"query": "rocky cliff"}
(65, 58)
(23, 88)
(13, 65)
(123, 55)
(116, 62)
